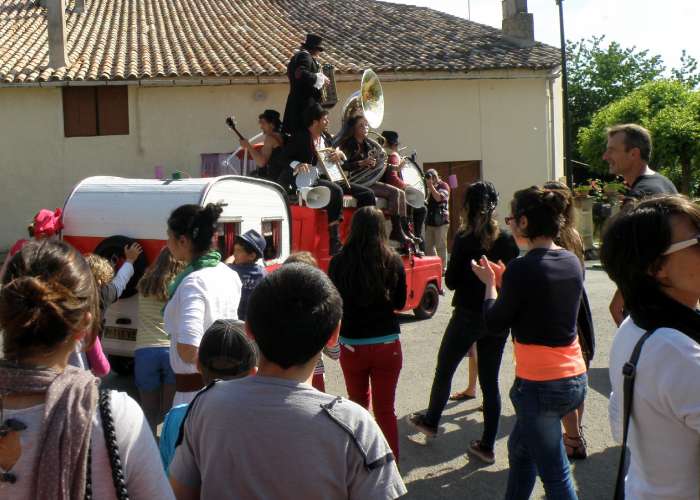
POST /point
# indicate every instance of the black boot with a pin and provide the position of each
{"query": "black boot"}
(407, 231)
(397, 233)
(334, 244)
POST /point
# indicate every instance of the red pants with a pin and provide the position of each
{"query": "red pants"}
(318, 382)
(376, 366)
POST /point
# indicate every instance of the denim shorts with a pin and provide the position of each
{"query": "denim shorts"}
(152, 368)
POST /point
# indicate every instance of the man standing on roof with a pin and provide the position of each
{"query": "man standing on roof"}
(305, 83)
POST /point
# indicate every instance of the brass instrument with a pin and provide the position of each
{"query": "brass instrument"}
(369, 102)
(329, 93)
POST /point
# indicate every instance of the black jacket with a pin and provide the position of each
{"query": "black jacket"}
(299, 148)
(355, 153)
(378, 319)
(301, 72)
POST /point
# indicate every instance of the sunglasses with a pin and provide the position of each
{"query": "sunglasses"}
(682, 245)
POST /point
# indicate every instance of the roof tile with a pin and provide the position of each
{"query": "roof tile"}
(142, 39)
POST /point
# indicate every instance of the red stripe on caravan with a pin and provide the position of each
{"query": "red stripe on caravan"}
(87, 244)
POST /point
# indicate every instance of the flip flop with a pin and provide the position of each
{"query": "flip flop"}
(461, 396)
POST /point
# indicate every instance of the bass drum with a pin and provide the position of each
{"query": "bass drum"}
(413, 176)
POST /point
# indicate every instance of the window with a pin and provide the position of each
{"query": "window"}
(227, 232)
(272, 232)
(92, 111)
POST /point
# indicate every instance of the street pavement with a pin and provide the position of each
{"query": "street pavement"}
(440, 468)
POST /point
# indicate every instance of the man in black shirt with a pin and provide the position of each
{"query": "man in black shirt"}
(628, 153)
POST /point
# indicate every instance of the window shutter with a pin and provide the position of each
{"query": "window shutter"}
(79, 112)
(113, 110)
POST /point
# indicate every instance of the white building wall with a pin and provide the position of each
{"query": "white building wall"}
(503, 122)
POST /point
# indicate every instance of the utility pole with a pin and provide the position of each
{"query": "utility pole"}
(568, 165)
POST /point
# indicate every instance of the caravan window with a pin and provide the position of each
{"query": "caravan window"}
(226, 234)
(272, 232)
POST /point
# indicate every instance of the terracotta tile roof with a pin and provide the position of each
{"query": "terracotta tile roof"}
(153, 39)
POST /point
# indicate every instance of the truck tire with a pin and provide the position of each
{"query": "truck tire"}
(428, 303)
(122, 365)
(112, 249)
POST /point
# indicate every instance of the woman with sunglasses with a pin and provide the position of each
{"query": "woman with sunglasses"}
(538, 300)
(652, 254)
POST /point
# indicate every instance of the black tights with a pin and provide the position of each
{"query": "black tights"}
(465, 328)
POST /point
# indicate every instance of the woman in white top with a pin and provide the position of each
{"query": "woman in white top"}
(56, 440)
(206, 290)
(652, 252)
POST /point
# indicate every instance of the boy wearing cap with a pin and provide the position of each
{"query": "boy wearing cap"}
(274, 436)
(247, 250)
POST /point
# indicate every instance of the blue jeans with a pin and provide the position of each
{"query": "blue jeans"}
(152, 368)
(535, 444)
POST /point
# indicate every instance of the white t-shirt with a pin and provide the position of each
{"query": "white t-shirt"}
(203, 297)
(143, 469)
(664, 436)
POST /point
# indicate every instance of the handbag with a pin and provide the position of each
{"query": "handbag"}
(629, 373)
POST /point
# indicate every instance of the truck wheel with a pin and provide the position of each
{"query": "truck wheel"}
(428, 303)
(122, 365)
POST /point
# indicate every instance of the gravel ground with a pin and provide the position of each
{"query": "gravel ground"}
(440, 468)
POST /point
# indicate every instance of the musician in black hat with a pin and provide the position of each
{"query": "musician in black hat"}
(305, 83)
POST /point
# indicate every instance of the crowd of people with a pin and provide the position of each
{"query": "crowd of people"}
(230, 358)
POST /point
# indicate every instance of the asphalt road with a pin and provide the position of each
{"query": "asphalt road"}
(440, 468)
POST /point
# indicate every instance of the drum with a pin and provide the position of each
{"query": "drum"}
(412, 175)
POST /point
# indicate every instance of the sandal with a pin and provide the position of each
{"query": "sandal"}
(484, 454)
(575, 447)
(461, 396)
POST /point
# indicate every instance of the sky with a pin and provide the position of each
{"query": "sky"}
(665, 27)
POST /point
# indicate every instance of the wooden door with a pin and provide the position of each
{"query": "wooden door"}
(466, 172)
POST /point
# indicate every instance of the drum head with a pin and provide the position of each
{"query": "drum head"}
(307, 179)
(413, 176)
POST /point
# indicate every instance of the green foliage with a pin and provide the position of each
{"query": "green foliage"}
(689, 71)
(599, 76)
(669, 109)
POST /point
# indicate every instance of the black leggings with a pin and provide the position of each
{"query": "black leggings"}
(465, 328)
(364, 196)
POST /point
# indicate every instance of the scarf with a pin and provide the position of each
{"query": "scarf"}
(665, 312)
(210, 259)
(60, 471)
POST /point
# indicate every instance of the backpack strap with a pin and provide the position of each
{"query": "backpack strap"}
(629, 373)
(110, 436)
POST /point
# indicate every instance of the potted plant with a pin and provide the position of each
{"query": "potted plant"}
(614, 190)
(582, 190)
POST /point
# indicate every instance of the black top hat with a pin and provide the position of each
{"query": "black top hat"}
(392, 138)
(313, 42)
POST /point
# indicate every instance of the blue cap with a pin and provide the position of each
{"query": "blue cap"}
(254, 240)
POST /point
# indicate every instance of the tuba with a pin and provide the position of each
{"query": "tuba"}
(368, 101)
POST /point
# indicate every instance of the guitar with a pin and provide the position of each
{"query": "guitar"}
(231, 122)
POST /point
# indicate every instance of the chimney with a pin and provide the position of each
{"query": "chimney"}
(518, 25)
(56, 14)
(79, 6)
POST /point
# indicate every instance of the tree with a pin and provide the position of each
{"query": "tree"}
(671, 111)
(599, 76)
(689, 72)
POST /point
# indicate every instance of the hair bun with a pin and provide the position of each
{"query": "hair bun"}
(31, 305)
(554, 200)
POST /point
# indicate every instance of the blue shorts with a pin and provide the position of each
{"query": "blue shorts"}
(152, 368)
